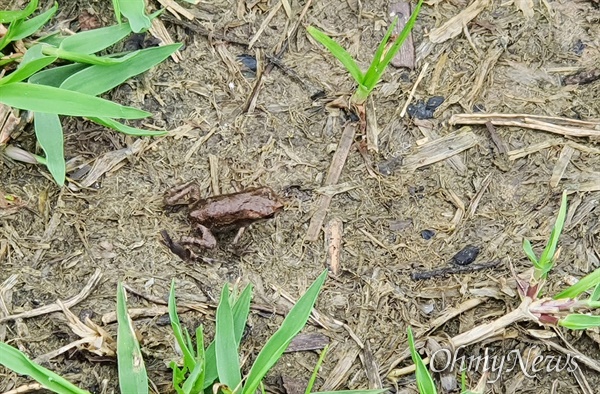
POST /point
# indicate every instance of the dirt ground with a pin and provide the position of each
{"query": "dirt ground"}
(505, 60)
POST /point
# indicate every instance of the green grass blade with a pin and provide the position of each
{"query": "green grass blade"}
(32, 62)
(226, 349)
(546, 259)
(291, 326)
(373, 391)
(18, 362)
(241, 309)
(134, 11)
(587, 282)
(188, 356)
(11, 16)
(34, 24)
(83, 57)
(425, 383)
(529, 252)
(195, 381)
(376, 67)
(7, 38)
(596, 294)
(402, 36)
(92, 41)
(313, 377)
(132, 372)
(117, 10)
(98, 79)
(376, 70)
(49, 134)
(339, 52)
(123, 128)
(576, 321)
(55, 76)
(40, 98)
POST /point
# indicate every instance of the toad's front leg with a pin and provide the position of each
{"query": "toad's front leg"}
(177, 195)
(206, 240)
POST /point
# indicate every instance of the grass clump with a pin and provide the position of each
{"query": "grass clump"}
(215, 367)
(383, 56)
(70, 89)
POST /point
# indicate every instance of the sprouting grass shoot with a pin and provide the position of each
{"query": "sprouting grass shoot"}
(383, 56)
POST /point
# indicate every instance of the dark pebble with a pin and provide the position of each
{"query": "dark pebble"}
(466, 256)
(434, 102)
(427, 234)
(249, 61)
(163, 320)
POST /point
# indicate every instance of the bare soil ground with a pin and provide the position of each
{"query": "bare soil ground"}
(507, 59)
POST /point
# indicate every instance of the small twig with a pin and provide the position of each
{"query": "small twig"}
(414, 89)
(55, 307)
(335, 170)
(205, 32)
(500, 145)
(459, 269)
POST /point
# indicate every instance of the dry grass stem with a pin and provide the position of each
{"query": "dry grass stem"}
(454, 26)
(414, 89)
(556, 125)
(333, 175)
(55, 307)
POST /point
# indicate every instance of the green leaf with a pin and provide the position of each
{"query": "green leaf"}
(49, 134)
(92, 41)
(546, 259)
(291, 326)
(40, 98)
(134, 11)
(576, 321)
(425, 383)
(123, 128)
(372, 80)
(34, 24)
(529, 251)
(117, 9)
(195, 381)
(226, 349)
(587, 282)
(98, 79)
(19, 363)
(339, 52)
(241, 309)
(82, 57)
(596, 294)
(313, 377)
(132, 372)
(188, 356)
(32, 62)
(55, 76)
(376, 67)
(11, 16)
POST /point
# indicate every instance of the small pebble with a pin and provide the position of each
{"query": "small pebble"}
(249, 61)
(466, 256)
(427, 234)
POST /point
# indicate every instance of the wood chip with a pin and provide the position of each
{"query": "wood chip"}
(307, 341)
(561, 165)
(333, 243)
(440, 149)
(406, 55)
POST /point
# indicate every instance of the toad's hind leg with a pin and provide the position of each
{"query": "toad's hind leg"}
(176, 195)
